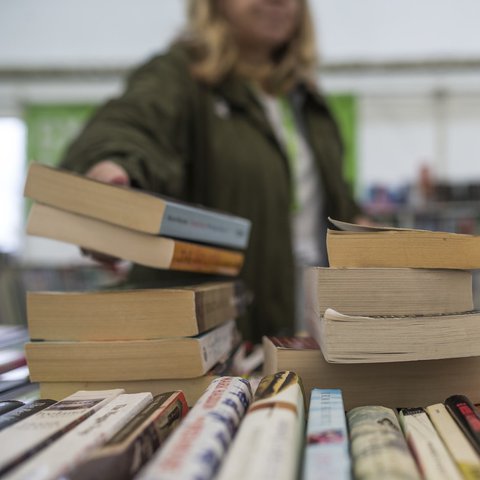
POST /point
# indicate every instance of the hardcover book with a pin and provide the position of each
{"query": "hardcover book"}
(134, 209)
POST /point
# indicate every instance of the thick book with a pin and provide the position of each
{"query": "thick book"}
(198, 446)
(270, 437)
(458, 445)
(397, 384)
(360, 339)
(466, 415)
(431, 455)
(362, 246)
(130, 448)
(142, 248)
(176, 357)
(326, 453)
(61, 456)
(26, 438)
(379, 449)
(135, 314)
(388, 291)
(135, 209)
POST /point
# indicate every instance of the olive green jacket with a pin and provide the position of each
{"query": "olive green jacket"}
(214, 146)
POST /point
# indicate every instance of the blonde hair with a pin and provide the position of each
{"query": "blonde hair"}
(216, 54)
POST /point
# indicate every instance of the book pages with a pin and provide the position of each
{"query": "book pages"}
(270, 438)
(27, 437)
(432, 457)
(56, 459)
(196, 448)
(327, 453)
(379, 449)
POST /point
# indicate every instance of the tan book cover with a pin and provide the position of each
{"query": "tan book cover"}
(150, 250)
(397, 384)
(135, 314)
(176, 357)
(134, 209)
(359, 246)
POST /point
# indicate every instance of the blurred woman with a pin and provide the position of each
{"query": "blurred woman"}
(231, 118)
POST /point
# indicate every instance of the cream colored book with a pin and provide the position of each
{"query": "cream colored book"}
(456, 442)
(361, 339)
(142, 248)
(431, 455)
(24, 439)
(58, 458)
(166, 358)
(389, 291)
(270, 437)
(134, 209)
(135, 314)
(394, 384)
(192, 388)
(361, 246)
(378, 447)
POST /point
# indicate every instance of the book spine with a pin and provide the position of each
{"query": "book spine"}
(377, 444)
(432, 457)
(197, 446)
(269, 440)
(199, 258)
(130, 449)
(9, 405)
(217, 344)
(467, 418)
(326, 450)
(53, 461)
(458, 445)
(29, 436)
(23, 412)
(190, 223)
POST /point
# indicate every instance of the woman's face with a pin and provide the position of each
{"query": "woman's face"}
(262, 24)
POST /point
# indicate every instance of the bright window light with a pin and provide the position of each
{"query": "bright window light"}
(12, 174)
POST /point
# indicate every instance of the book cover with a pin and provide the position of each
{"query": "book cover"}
(405, 384)
(432, 457)
(270, 437)
(135, 209)
(22, 440)
(24, 411)
(466, 416)
(378, 447)
(176, 357)
(133, 314)
(68, 451)
(327, 452)
(197, 447)
(361, 246)
(132, 447)
(144, 249)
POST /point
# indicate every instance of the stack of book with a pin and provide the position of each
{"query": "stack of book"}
(392, 319)
(139, 339)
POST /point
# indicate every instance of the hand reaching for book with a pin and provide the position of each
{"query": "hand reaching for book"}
(107, 172)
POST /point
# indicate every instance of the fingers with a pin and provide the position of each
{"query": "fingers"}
(109, 172)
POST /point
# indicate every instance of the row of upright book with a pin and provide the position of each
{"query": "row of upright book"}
(233, 433)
